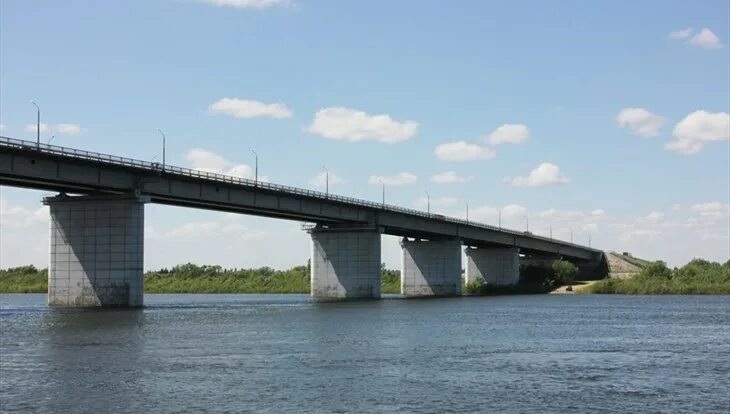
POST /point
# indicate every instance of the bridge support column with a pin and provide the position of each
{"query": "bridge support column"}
(97, 250)
(494, 265)
(431, 268)
(345, 263)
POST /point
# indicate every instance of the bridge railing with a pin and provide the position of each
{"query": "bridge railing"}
(189, 172)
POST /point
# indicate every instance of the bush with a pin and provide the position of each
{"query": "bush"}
(565, 272)
(475, 287)
(699, 276)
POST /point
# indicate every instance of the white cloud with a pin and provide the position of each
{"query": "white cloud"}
(654, 217)
(681, 34)
(508, 134)
(68, 129)
(345, 124)
(2, 127)
(697, 129)
(712, 210)
(65, 129)
(545, 174)
(204, 160)
(403, 178)
(320, 180)
(641, 122)
(706, 39)
(598, 212)
(462, 151)
(244, 108)
(34, 127)
(253, 4)
(448, 177)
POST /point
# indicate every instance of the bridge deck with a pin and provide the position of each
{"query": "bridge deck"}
(50, 167)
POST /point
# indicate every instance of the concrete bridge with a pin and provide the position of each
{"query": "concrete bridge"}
(97, 235)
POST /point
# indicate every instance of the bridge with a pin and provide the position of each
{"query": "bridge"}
(97, 234)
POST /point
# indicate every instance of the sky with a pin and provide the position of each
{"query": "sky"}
(601, 121)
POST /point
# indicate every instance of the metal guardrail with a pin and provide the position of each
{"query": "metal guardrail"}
(188, 172)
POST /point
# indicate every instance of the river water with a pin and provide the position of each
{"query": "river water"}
(285, 354)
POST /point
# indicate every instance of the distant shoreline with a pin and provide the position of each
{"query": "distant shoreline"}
(698, 277)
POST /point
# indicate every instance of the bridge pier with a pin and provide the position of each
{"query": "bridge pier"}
(97, 251)
(431, 268)
(494, 265)
(345, 263)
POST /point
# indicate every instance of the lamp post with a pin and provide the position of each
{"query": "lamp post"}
(551, 231)
(163, 147)
(571, 234)
(326, 181)
(428, 202)
(467, 211)
(38, 124)
(383, 185)
(256, 168)
(589, 240)
(527, 223)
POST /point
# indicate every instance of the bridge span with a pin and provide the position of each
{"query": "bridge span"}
(97, 234)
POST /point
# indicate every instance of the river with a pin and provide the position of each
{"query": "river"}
(284, 353)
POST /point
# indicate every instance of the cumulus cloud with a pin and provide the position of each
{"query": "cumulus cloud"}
(545, 174)
(34, 127)
(712, 210)
(243, 4)
(449, 177)
(320, 180)
(345, 124)
(508, 134)
(403, 178)
(68, 129)
(599, 212)
(64, 129)
(706, 39)
(204, 160)
(698, 129)
(462, 151)
(640, 121)
(681, 34)
(245, 108)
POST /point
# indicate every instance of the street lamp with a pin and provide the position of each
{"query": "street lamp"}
(428, 202)
(527, 223)
(38, 123)
(571, 234)
(326, 181)
(49, 141)
(589, 240)
(163, 147)
(500, 219)
(256, 168)
(467, 211)
(382, 184)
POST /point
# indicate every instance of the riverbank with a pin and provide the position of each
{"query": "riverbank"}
(190, 278)
(696, 277)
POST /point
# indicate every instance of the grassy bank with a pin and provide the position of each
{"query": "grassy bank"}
(191, 278)
(696, 277)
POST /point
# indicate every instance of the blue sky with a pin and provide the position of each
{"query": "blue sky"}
(614, 116)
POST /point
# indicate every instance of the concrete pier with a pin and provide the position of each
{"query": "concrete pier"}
(494, 265)
(431, 268)
(96, 251)
(345, 263)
